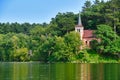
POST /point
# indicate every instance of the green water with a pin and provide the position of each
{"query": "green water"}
(59, 71)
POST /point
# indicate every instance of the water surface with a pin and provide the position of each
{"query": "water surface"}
(58, 71)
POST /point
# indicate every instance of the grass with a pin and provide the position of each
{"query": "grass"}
(91, 56)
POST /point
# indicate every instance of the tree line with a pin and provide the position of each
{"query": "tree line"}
(57, 40)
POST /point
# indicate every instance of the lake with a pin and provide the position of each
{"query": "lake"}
(58, 71)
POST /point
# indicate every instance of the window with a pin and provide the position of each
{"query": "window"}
(78, 30)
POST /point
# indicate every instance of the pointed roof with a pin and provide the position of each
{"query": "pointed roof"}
(79, 21)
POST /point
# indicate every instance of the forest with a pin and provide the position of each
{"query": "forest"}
(57, 41)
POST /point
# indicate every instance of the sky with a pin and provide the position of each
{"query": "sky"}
(36, 11)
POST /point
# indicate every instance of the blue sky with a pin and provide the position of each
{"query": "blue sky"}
(36, 11)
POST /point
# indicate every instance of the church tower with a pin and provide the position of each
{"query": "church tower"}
(79, 28)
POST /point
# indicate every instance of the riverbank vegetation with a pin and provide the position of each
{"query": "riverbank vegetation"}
(57, 41)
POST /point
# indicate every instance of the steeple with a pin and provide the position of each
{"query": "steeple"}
(79, 28)
(79, 20)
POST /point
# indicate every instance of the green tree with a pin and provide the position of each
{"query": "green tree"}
(37, 31)
(96, 2)
(21, 54)
(6, 47)
(60, 50)
(87, 6)
(63, 23)
(108, 40)
(73, 42)
(46, 49)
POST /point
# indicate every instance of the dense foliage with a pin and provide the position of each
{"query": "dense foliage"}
(108, 40)
(57, 40)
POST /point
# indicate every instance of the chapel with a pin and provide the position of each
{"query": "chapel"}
(85, 35)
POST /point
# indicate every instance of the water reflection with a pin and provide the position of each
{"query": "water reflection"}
(59, 71)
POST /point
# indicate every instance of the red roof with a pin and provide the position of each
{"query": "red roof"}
(88, 34)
